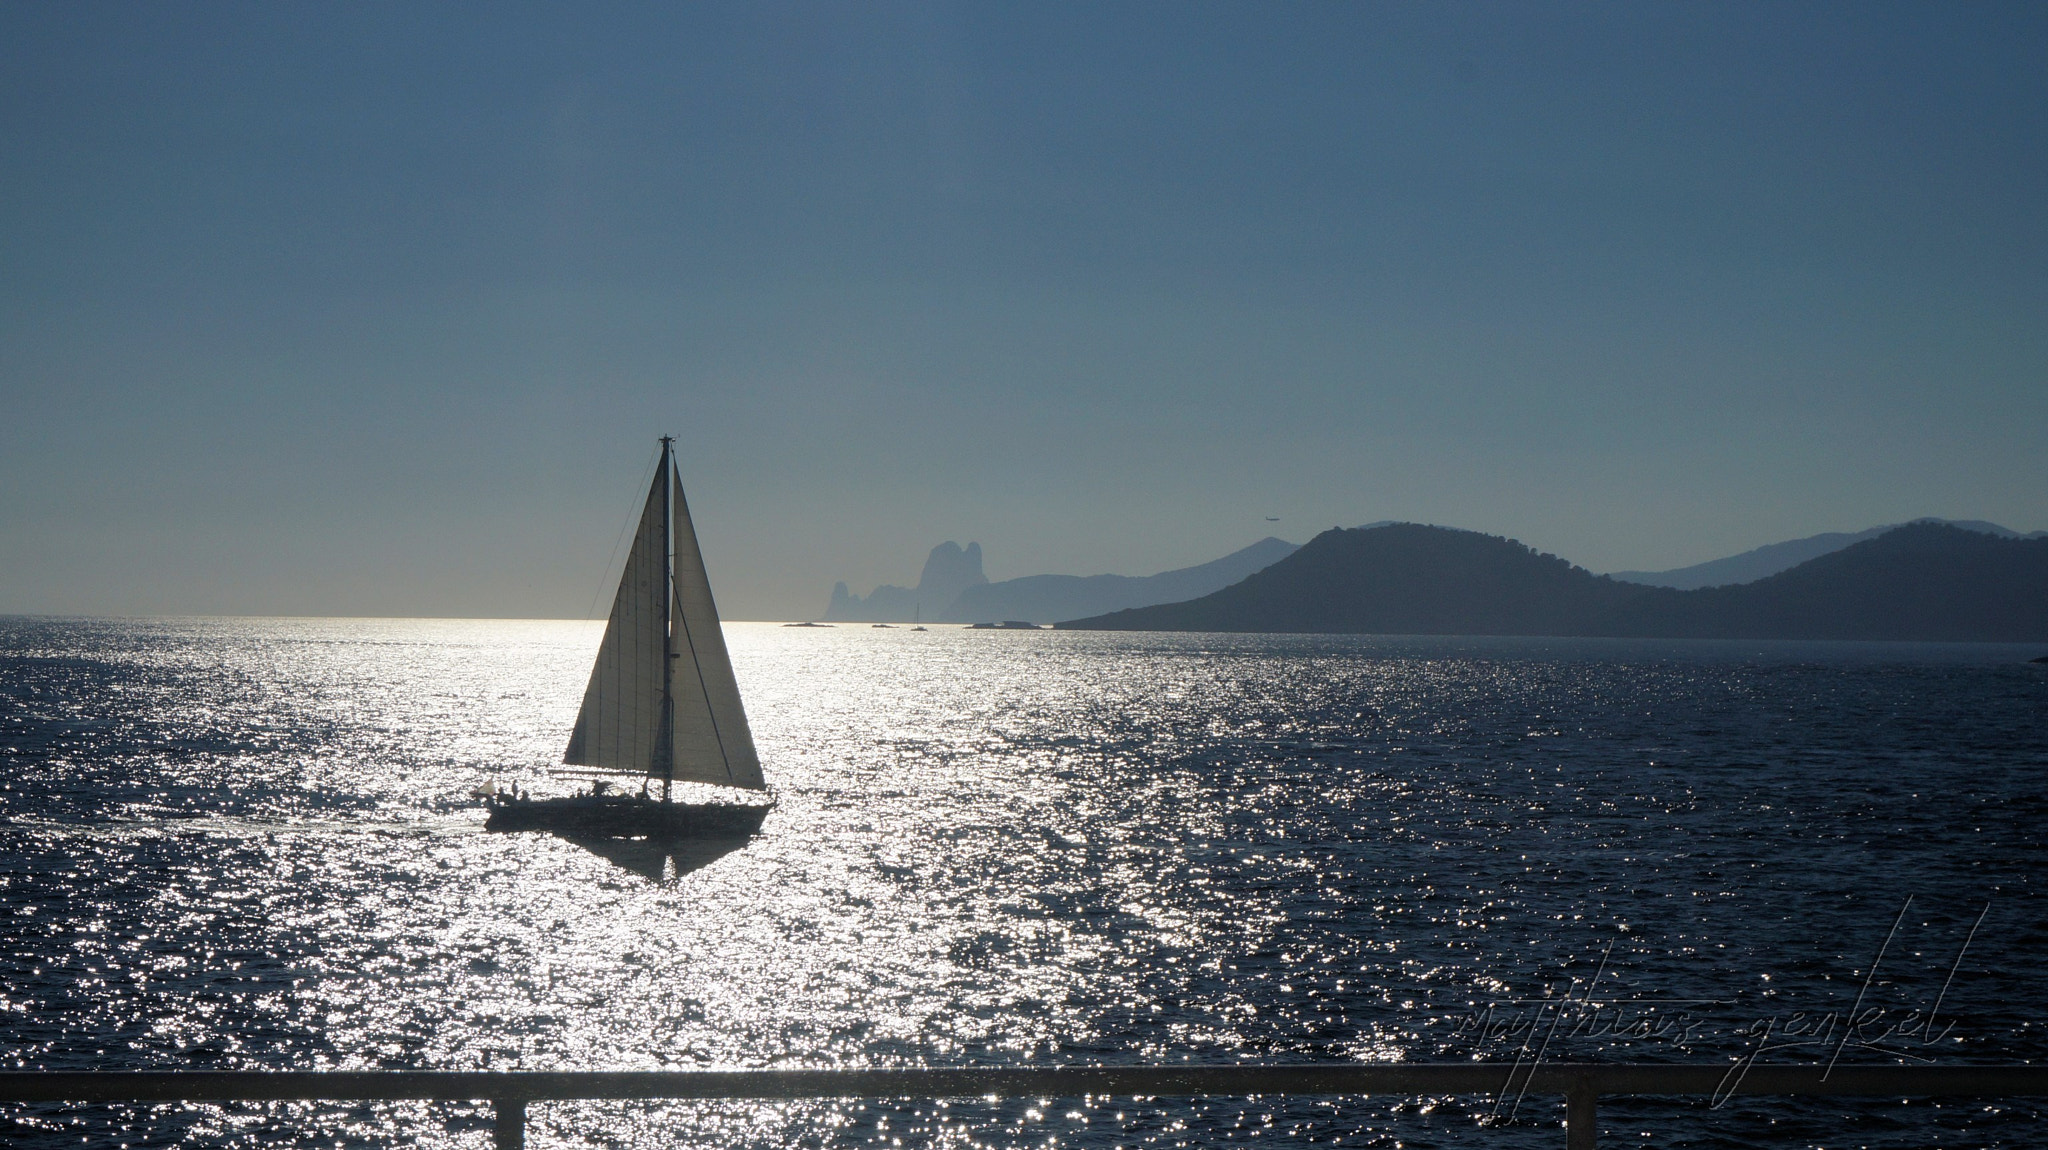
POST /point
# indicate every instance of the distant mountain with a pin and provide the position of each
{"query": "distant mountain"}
(1045, 598)
(1772, 558)
(948, 570)
(954, 590)
(1927, 581)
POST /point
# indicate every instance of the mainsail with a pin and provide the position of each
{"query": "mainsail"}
(621, 726)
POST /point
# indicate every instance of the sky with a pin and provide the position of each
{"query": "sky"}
(377, 309)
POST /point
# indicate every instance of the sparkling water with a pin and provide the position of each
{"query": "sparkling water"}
(233, 843)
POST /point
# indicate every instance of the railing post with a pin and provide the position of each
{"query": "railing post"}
(508, 1129)
(1580, 1109)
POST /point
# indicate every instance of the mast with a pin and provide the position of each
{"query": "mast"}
(664, 743)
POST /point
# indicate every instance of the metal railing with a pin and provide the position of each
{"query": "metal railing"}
(1582, 1084)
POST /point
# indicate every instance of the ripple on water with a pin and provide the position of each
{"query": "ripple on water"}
(246, 843)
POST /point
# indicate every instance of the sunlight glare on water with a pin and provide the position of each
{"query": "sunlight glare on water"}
(248, 843)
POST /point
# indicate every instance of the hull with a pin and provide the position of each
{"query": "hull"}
(619, 817)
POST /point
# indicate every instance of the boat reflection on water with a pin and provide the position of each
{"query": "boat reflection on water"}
(657, 860)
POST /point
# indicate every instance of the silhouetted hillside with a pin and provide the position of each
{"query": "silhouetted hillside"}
(1752, 565)
(1928, 581)
(1920, 581)
(1771, 558)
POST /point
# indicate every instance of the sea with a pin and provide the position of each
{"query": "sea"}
(250, 844)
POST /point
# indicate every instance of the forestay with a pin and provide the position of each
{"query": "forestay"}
(621, 713)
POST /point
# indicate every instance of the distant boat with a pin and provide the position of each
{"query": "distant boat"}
(662, 704)
(1005, 625)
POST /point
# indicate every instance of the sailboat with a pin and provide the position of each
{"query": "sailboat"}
(662, 705)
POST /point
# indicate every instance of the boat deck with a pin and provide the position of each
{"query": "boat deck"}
(621, 816)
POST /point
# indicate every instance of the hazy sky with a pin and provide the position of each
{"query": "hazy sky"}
(377, 309)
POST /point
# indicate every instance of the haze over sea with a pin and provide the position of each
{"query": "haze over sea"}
(247, 843)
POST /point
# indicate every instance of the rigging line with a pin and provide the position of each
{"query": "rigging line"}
(724, 756)
(609, 673)
(710, 712)
(602, 583)
(598, 673)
